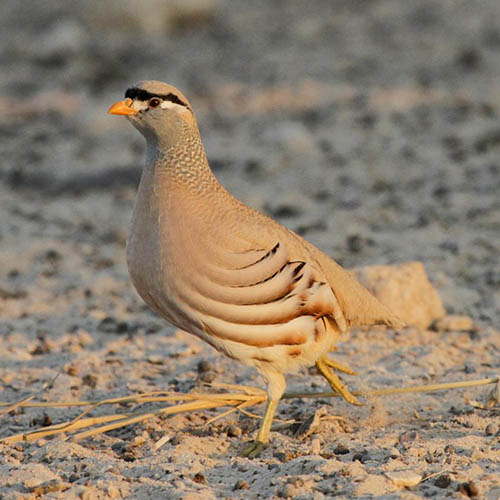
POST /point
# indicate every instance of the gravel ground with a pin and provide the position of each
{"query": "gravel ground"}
(371, 128)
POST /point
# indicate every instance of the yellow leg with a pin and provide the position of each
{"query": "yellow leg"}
(263, 436)
(324, 366)
(275, 388)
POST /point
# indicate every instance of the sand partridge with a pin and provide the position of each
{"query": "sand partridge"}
(223, 271)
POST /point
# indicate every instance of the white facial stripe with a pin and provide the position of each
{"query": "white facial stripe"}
(170, 105)
(142, 105)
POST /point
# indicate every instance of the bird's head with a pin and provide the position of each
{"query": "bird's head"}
(158, 110)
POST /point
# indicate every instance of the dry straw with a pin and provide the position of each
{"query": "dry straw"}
(239, 399)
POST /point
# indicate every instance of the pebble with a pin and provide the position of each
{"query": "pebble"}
(469, 489)
(205, 366)
(443, 481)
(199, 478)
(407, 437)
(241, 484)
(176, 440)
(404, 478)
(47, 487)
(86, 494)
(287, 491)
(310, 425)
(491, 429)
(113, 491)
(234, 431)
(341, 450)
(362, 457)
(207, 377)
(454, 323)
(406, 289)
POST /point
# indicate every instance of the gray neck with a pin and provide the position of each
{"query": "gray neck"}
(183, 164)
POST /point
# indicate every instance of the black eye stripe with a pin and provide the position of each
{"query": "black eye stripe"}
(144, 95)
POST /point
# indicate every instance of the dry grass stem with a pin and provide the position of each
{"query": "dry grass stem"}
(239, 400)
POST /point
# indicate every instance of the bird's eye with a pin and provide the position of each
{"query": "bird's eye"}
(154, 102)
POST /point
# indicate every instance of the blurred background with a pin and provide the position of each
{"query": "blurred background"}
(370, 127)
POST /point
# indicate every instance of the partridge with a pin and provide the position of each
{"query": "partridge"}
(225, 272)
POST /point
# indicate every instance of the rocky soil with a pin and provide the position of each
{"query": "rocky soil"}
(371, 128)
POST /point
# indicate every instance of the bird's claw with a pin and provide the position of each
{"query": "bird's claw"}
(254, 449)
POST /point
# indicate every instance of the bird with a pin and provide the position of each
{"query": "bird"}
(227, 273)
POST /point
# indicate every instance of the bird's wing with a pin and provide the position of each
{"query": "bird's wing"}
(353, 303)
(357, 304)
(259, 296)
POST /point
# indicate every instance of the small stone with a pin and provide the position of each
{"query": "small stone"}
(234, 431)
(176, 440)
(394, 453)
(404, 478)
(138, 441)
(454, 323)
(118, 447)
(208, 377)
(199, 478)
(406, 290)
(113, 491)
(491, 429)
(407, 437)
(156, 359)
(90, 380)
(493, 396)
(87, 494)
(310, 425)
(470, 489)
(205, 366)
(71, 369)
(362, 457)
(450, 449)
(443, 481)
(341, 450)
(355, 243)
(241, 484)
(47, 487)
(287, 491)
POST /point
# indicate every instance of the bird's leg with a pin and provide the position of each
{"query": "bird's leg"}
(276, 388)
(324, 366)
(263, 436)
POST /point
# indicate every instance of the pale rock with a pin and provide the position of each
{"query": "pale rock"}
(31, 475)
(454, 323)
(113, 491)
(331, 467)
(374, 485)
(406, 290)
(404, 478)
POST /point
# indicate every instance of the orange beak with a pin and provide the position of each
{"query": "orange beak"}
(122, 108)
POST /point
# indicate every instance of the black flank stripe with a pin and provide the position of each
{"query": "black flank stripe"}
(298, 269)
(268, 254)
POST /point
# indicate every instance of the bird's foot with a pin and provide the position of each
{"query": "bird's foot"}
(254, 449)
(340, 367)
(324, 366)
